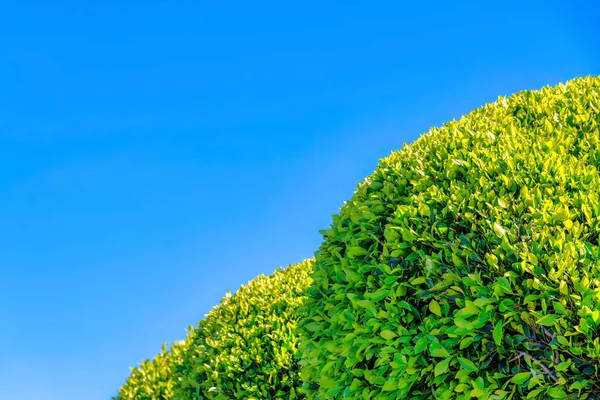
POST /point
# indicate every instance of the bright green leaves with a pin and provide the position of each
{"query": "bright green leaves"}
(418, 281)
(548, 320)
(437, 350)
(467, 364)
(245, 347)
(469, 309)
(365, 304)
(389, 385)
(152, 379)
(557, 393)
(421, 345)
(521, 377)
(408, 235)
(442, 367)
(356, 251)
(500, 231)
(388, 335)
(434, 307)
(314, 326)
(471, 246)
(498, 333)
(380, 294)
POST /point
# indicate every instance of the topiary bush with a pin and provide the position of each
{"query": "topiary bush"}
(153, 379)
(467, 265)
(243, 349)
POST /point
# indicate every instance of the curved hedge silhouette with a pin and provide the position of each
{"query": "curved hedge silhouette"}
(243, 349)
(466, 266)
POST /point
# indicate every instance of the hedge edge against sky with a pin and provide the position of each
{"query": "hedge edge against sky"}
(243, 349)
(467, 264)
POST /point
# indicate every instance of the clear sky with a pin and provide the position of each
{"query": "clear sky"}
(154, 154)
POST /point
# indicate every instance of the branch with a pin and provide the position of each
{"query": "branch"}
(532, 358)
(552, 337)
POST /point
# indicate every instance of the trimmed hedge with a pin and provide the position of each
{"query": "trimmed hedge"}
(243, 349)
(152, 379)
(467, 266)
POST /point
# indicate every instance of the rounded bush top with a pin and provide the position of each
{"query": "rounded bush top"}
(467, 266)
(243, 349)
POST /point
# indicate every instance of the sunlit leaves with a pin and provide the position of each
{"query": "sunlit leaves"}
(466, 266)
(442, 366)
(245, 347)
(435, 308)
(469, 261)
(467, 364)
(548, 320)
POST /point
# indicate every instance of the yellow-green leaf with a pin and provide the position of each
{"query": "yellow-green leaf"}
(521, 377)
(387, 334)
(434, 307)
(441, 367)
(467, 364)
(498, 333)
(548, 320)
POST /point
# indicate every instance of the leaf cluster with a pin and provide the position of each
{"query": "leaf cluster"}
(243, 349)
(467, 265)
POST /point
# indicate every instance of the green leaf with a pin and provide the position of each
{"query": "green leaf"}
(353, 276)
(380, 294)
(466, 342)
(421, 345)
(469, 309)
(356, 251)
(557, 393)
(390, 384)
(434, 307)
(498, 333)
(349, 316)
(521, 377)
(535, 394)
(579, 385)
(548, 320)
(563, 366)
(500, 231)
(364, 303)
(562, 340)
(461, 387)
(559, 307)
(418, 281)
(437, 350)
(314, 326)
(467, 364)
(441, 367)
(407, 235)
(376, 186)
(387, 334)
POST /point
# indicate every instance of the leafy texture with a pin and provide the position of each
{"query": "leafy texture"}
(153, 379)
(467, 266)
(243, 349)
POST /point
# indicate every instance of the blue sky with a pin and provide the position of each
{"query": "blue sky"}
(155, 154)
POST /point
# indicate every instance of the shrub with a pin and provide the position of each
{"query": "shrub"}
(467, 265)
(153, 379)
(243, 349)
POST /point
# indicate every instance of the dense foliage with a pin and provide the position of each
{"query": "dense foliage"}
(467, 266)
(243, 349)
(152, 379)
